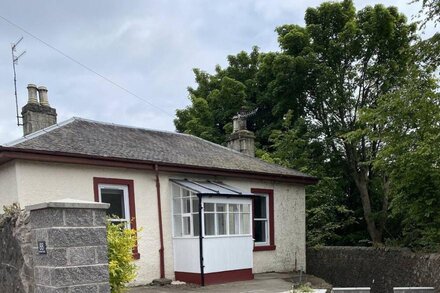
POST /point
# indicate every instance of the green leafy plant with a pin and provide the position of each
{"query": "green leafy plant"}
(303, 288)
(121, 242)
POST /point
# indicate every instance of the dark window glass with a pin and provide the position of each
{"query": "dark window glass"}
(260, 207)
(260, 231)
(115, 197)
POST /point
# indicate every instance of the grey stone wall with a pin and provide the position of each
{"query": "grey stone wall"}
(381, 269)
(16, 268)
(76, 245)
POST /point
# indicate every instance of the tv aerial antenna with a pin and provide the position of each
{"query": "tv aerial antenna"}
(15, 57)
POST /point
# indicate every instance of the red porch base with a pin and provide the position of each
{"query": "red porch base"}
(216, 278)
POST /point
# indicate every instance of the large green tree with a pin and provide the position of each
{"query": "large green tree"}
(408, 124)
(340, 63)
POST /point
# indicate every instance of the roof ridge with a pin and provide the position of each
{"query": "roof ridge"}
(40, 132)
(130, 126)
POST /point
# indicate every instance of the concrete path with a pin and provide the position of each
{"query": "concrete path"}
(268, 282)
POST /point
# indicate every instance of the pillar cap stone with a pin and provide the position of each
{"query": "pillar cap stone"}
(68, 203)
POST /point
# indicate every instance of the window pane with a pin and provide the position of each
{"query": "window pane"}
(246, 208)
(186, 202)
(186, 225)
(177, 226)
(260, 207)
(221, 224)
(185, 192)
(195, 205)
(115, 197)
(196, 224)
(233, 208)
(245, 223)
(175, 190)
(209, 224)
(209, 207)
(221, 207)
(177, 203)
(233, 223)
(260, 231)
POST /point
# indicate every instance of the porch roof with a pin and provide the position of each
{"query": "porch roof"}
(212, 188)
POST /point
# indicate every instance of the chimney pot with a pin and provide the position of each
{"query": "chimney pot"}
(32, 94)
(44, 100)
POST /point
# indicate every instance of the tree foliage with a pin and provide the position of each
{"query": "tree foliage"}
(408, 120)
(340, 66)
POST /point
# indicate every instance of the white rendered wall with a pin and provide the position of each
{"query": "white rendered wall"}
(39, 181)
(8, 185)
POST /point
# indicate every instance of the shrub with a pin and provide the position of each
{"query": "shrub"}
(121, 242)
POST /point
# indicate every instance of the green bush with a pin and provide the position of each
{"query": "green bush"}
(121, 242)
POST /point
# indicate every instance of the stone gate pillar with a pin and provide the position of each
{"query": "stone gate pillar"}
(69, 246)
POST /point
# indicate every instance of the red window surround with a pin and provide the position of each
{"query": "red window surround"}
(271, 245)
(131, 201)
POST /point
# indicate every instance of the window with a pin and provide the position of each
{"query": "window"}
(220, 218)
(119, 193)
(226, 219)
(117, 197)
(185, 212)
(263, 219)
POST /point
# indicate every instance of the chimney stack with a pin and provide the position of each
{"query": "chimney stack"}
(241, 139)
(37, 113)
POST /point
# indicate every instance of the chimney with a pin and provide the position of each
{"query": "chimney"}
(241, 139)
(37, 113)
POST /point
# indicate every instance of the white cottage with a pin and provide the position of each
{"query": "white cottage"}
(209, 214)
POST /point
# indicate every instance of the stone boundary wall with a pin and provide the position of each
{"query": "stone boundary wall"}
(54, 247)
(16, 263)
(70, 247)
(378, 268)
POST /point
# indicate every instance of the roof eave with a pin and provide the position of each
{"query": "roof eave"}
(10, 153)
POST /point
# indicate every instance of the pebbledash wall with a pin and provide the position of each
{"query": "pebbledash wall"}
(40, 181)
(378, 268)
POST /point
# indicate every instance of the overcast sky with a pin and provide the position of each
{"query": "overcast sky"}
(147, 47)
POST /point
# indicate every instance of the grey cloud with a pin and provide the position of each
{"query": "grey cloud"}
(149, 47)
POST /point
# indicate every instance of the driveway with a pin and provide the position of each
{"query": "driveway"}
(268, 282)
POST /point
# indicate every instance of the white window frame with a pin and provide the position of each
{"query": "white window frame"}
(124, 188)
(267, 219)
(227, 201)
(182, 214)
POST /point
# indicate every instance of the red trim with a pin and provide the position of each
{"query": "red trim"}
(131, 200)
(216, 278)
(271, 245)
(159, 209)
(8, 153)
(265, 247)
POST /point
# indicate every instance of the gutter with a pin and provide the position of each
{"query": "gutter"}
(159, 211)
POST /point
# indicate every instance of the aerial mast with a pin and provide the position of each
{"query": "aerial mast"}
(15, 58)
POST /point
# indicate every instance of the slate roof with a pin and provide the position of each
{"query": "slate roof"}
(87, 137)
